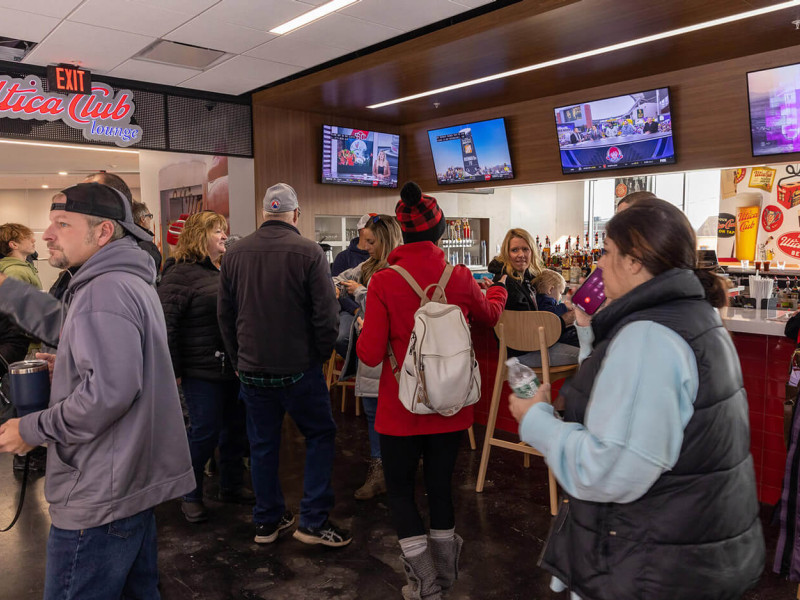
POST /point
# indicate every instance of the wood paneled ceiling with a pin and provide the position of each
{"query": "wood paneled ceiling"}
(525, 33)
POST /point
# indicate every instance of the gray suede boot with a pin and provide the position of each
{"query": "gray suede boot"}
(445, 555)
(421, 575)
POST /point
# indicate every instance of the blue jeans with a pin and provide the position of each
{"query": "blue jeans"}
(309, 405)
(370, 409)
(216, 416)
(343, 339)
(116, 560)
(560, 355)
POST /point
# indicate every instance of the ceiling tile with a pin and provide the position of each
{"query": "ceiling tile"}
(259, 14)
(91, 47)
(415, 13)
(472, 3)
(189, 7)
(239, 75)
(125, 15)
(142, 70)
(50, 8)
(292, 51)
(344, 32)
(209, 31)
(25, 26)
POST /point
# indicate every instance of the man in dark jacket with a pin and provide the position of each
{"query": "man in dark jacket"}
(277, 313)
(350, 257)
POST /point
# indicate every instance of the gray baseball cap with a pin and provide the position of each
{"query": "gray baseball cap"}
(280, 198)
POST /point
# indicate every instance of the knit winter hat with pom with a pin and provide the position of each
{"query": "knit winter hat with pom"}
(419, 215)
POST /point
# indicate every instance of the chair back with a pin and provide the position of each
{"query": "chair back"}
(520, 329)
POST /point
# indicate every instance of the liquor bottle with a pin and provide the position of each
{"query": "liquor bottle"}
(467, 230)
(546, 251)
(569, 243)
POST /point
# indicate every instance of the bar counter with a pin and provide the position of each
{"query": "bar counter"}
(764, 354)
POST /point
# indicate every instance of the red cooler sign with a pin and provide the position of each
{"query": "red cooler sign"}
(102, 116)
(789, 243)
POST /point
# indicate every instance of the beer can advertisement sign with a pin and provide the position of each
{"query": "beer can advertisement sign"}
(746, 232)
(771, 218)
(789, 243)
(726, 227)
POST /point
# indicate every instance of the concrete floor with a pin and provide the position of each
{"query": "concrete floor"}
(504, 529)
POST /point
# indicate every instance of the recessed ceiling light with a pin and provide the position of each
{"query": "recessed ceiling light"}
(311, 16)
(45, 186)
(63, 173)
(589, 53)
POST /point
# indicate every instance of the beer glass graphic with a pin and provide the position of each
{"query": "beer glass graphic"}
(746, 232)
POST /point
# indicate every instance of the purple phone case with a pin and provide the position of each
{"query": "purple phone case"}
(591, 295)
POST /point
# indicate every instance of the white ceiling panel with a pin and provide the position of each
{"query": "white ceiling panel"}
(141, 70)
(259, 14)
(25, 26)
(415, 13)
(91, 47)
(208, 31)
(49, 8)
(344, 32)
(125, 15)
(472, 3)
(293, 51)
(189, 7)
(240, 74)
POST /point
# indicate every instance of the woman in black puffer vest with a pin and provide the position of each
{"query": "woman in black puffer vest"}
(188, 293)
(653, 453)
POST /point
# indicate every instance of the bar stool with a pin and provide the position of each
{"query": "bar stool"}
(332, 372)
(527, 331)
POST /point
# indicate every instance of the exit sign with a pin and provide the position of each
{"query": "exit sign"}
(66, 78)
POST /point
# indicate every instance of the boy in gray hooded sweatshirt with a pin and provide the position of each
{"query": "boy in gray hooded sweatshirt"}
(115, 431)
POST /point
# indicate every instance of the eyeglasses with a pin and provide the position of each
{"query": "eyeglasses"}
(148, 216)
(376, 218)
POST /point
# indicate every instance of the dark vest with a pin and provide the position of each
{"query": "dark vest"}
(696, 533)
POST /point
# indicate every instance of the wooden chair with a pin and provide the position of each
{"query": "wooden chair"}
(527, 331)
(332, 373)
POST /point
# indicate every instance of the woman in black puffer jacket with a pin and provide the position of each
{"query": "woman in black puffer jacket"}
(188, 293)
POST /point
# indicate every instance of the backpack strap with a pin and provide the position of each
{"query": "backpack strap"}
(412, 282)
(438, 291)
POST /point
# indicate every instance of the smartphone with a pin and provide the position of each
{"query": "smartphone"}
(591, 295)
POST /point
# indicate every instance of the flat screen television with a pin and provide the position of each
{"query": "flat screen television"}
(471, 152)
(774, 96)
(359, 157)
(632, 130)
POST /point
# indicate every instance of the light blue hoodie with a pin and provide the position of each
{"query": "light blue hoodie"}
(115, 431)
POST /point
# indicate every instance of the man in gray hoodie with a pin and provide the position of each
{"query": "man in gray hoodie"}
(116, 438)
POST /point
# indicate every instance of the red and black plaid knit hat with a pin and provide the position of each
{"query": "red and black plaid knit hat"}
(419, 215)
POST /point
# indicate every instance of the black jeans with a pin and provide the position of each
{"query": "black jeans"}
(400, 455)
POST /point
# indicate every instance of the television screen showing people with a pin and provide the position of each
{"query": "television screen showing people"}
(774, 96)
(359, 157)
(472, 152)
(633, 130)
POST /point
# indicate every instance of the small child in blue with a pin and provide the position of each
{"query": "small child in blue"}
(550, 286)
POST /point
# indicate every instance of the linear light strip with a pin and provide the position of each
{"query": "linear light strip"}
(68, 147)
(589, 53)
(312, 15)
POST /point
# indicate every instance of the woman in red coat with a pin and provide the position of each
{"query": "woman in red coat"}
(430, 561)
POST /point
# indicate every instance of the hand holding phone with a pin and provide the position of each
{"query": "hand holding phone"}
(591, 295)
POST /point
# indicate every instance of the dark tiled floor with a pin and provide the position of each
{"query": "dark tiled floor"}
(504, 529)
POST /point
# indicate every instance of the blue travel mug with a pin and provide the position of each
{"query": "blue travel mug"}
(29, 381)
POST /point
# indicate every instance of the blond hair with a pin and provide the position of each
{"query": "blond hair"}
(12, 232)
(548, 279)
(193, 241)
(536, 266)
(389, 236)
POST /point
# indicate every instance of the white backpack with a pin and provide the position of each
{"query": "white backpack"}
(439, 373)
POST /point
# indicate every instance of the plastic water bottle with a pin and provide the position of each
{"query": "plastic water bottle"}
(522, 379)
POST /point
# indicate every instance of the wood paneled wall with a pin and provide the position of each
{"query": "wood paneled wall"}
(711, 126)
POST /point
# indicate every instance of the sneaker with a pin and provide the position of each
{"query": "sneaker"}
(327, 535)
(266, 533)
(195, 512)
(239, 495)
